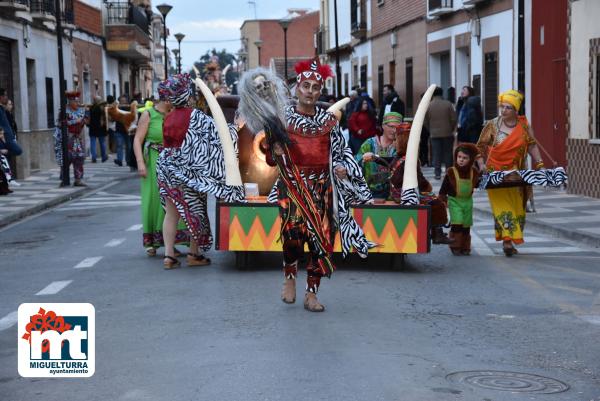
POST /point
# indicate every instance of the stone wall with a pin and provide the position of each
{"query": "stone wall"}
(38, 152)
(583, 160)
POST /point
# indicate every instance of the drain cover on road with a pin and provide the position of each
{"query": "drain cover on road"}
(509, 381)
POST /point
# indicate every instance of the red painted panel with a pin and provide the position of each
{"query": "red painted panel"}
(422, 231)
(548, 77)
(223, 227)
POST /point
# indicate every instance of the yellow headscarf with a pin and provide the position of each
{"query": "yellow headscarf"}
(511, 97)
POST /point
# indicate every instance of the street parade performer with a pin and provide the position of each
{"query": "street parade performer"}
(147, 145)
(75, 141)
(457, 192)
(198, 158)
(318, 177)
(425, 195)
(503, 146)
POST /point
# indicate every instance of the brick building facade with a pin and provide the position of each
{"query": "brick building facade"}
(399, 56)
(300, 39)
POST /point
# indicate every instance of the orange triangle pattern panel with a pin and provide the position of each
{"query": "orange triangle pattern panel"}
(256, 239)
(390, 240)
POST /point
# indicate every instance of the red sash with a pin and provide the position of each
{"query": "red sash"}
(509, 155)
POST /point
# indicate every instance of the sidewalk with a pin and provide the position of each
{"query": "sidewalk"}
(41, 190)
(557, 213)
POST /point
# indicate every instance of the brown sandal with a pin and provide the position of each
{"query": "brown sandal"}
(151, 252)
(197, 260)
(171, 263)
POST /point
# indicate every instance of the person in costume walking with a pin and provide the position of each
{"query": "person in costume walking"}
(457, 191)
(147, 145)
(76, 142)
(316, 171)
(377, 147)
(503, 145)
(190, 166)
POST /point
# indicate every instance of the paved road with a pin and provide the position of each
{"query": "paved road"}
(218, 333)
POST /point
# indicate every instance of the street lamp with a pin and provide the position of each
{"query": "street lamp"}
(62, 115)
(338, 72)
(285, 23)
(177, 58)
(164, 9)
(179, 36)
(258, 45)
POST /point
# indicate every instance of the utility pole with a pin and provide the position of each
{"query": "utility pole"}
(338, 71)
(62, 115)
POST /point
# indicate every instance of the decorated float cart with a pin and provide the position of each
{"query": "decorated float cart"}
(254, 226)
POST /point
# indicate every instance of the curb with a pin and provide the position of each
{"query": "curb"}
(554, 231)
(13, 218)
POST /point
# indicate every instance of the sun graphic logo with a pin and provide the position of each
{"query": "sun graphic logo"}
(56, 340)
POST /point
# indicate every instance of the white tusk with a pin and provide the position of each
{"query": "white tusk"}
(409, 180)
(337, 107)
(232, 170)
(224, 73)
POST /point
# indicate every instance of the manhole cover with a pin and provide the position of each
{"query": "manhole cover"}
(509, 381)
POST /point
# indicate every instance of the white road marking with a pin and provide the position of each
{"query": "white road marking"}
(576, 290)
(480, 246)
(135, 227)
(114, 242)
(88, 262)
(548, 249)
(593, 319)
(8, 321)
(54, 287)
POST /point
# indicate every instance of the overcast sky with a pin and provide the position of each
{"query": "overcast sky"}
(217, 23)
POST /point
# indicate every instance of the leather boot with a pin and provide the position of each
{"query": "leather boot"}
(311, 303)
(288, 292)
(439, 237)
(455, 245)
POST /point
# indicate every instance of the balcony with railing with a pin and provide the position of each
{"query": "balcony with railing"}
(15, 5)
(439, 7)
(44, 10)
(358, 18)
(127, 31)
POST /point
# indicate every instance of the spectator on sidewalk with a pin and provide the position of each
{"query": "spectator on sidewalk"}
(362, 125)
(440, 120)
(391, 102)
(111, 124)
(5, 172)
(10, 139)
(97, 129)
(122, 134)
(470, 117)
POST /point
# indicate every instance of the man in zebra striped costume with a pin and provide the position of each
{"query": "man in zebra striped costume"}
(318, 181)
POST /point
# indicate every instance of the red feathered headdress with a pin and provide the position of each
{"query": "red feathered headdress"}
(312, 69)
(72, 94)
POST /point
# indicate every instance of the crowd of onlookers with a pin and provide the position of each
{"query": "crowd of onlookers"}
(447, 122)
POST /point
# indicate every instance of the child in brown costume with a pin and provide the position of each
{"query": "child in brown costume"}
(457, 191)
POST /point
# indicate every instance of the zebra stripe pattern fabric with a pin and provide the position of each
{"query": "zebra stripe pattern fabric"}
(409, 197)
(187, 174)
(554, 177)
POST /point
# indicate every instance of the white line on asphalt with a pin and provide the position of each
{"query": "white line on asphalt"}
(8, 321)
(576, 290)
(88, 262)
(593, 319)
(548, 249)
(480, 246)
(54, 287)
(135, 227)
(114, 242)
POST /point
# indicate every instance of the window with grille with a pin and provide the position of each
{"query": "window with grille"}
(409, 85)
(49, 103)
(491, 85)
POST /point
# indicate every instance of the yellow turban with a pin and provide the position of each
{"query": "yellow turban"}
(511, 97)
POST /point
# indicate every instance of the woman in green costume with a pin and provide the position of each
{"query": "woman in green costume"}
(147, 145)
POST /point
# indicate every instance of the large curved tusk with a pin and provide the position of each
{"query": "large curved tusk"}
(224, 72)
(409, 180)
(337, 107)
(232, 170)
